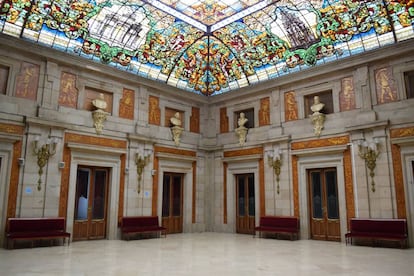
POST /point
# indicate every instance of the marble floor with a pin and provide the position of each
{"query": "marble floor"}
(212, 254)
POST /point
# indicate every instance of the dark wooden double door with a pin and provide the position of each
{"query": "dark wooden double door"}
(91, 201)
(245, 203)
(172, 202)
(324, 204)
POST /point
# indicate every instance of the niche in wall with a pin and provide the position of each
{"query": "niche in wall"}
(170, 112)
(4, 75)
(92, 93)
(324, 97)
(409, 84)
(249, 113)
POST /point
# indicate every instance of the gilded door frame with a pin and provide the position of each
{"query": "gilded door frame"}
(306, 162)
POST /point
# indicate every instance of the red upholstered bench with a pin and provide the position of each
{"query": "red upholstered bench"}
(279, 224)
(36, 229)
(378, 229)
(145, 224)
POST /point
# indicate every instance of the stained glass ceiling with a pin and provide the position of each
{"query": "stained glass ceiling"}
(210, 47)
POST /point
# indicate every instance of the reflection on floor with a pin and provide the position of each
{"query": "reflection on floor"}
(212, 254)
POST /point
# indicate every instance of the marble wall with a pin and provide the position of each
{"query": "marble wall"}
(368, 100)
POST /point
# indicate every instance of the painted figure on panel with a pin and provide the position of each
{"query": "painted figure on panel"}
(224, 120)
(264, 118)
(386, 91)
(154, 111)
(291, 108)
(347, 95)
(68, 95)
(195, 120)
(27, 81)
(126, 105)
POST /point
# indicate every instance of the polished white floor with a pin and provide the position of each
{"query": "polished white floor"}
(212, 254)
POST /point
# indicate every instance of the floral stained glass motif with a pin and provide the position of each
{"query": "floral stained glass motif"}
(234, 43)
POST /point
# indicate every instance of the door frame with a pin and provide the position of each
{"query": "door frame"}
(250, 166)
(324, 200)
(246, 185)
(91, 189)
(305, 163)
(407, 156)
(172, 164)
(96, 157)
(6, 153)
(170, 207)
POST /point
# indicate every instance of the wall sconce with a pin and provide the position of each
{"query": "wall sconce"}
(141, 161)
(21, 162)
(369, 152)
(43, 153)
(274, 158)
(61, 165)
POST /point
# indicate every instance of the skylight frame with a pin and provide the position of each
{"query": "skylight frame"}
(210, 28)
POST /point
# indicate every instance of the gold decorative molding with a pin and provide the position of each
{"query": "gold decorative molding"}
(349, 188)
(64, 181)
(262, 192)
(121, 189)
(295, 183)
(318, 143)
(11, 129)
(225, 165)
(402, 132)
(242, 152)
(399, 181)
(96, 141)
(14, 180)
(174, 151)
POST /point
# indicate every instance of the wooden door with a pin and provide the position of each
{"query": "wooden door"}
(172, 202)
(324, 205)
(245, 217)
(91, 202)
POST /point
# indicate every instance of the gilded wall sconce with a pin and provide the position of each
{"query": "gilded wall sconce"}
(274, 158)
(43, 153)
(370, 153)
(141, 160)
